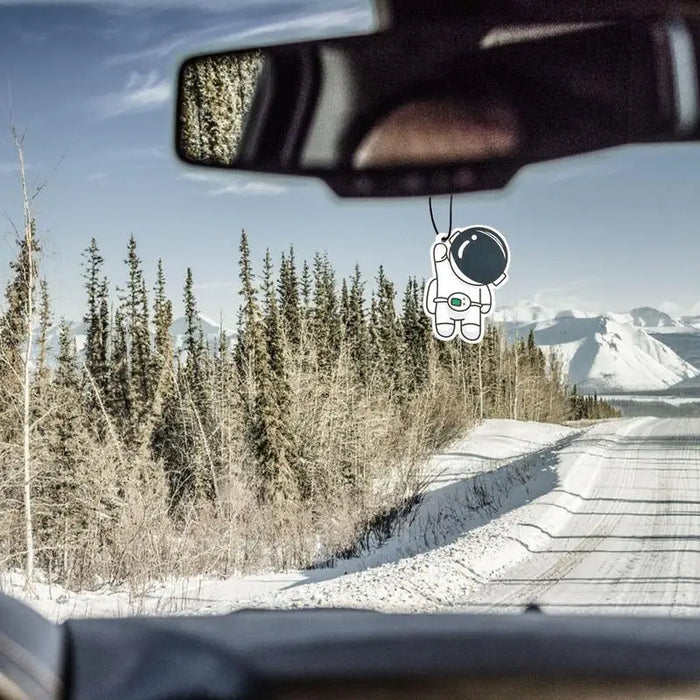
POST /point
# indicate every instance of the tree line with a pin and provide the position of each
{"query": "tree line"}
(134, 458)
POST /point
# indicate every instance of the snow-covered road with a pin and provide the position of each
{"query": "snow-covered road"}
(630, 543)
(617, 532)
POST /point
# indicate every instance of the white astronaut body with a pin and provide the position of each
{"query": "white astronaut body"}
(456, 304)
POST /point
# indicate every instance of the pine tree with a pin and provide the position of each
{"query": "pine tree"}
(224, 436)
(65, 513)
(67, 374)
(344, 305)
(44, 325)
(576, 404)
(13, 332)
(96, 320)
(306, 285)
(489, 374)
(290, 307)
(135, 310)
(387, 338)
(121, 395)
(102, 365)
(249, 341)
(163, 371)
(355, 323)
(272, 439)
(272, 322)
(415, 341)
(325, 316)
(194, 345)
(162, 357)
(194, 351)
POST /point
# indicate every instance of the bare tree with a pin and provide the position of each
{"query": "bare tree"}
(29, 280)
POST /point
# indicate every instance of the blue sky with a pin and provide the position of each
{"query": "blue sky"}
(92, 84)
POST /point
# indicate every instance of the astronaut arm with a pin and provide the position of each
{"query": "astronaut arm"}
(485, 299)
(430, 294)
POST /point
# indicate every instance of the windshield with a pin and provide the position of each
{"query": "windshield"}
(221, 391)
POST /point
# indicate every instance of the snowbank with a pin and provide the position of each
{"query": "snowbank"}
(498, 467)
(471, 481)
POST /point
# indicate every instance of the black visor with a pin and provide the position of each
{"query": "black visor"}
(480, 254)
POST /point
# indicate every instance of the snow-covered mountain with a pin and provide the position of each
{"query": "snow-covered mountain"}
(647, 317)
(178, 329)
(609, 352)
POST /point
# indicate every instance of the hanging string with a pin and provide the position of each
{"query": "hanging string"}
(432, 218)
(449, 228)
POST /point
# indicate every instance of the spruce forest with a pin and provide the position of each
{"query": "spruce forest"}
(135, 459)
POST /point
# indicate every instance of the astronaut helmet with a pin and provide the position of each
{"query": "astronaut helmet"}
(479, 255)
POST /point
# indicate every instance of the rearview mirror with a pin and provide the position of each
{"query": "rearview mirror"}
(438, 108)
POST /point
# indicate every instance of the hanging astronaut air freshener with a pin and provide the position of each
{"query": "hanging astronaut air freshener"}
(467, 263)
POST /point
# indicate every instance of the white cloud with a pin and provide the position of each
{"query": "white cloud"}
(356, 17)
(196, 176)
(94, 177)
(138, 153)
(252, 187)
(350, 19)
(220, 183)
(33, 38)
(142, 92)
(561, 299)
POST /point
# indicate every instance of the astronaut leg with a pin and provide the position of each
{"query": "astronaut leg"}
(443, 325)
(470, 328)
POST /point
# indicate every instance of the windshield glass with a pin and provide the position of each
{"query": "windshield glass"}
(221, 390)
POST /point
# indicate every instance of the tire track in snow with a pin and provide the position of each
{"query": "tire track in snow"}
(638, 532)
(603, 525)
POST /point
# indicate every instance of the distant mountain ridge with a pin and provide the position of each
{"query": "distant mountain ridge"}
(642, 316)
(178, 329)
(647, 317)
(609, 352)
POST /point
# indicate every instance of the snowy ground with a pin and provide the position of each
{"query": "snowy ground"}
(597, 520)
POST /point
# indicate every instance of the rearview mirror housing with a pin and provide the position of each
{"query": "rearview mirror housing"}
(442, 106)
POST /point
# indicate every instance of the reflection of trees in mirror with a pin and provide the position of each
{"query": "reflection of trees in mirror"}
(215, 96)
